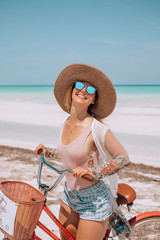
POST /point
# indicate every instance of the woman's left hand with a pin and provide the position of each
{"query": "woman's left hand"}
(80, 172)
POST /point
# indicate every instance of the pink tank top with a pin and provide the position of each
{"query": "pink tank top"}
(73, 155)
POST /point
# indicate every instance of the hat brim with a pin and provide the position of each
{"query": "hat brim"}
(82, 72)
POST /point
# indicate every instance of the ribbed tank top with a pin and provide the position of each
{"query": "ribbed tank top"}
(73, 155)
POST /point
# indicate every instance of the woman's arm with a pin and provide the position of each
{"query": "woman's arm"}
(119, 156)
(48, 152)
(109, 168)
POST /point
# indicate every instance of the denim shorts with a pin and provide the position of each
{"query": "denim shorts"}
(93, 203)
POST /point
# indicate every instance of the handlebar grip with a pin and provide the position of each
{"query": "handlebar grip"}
(40, 151)
(88, 177)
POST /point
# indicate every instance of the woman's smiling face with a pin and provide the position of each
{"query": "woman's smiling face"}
(82, 96)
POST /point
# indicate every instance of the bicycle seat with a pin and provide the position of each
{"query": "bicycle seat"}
(126, 194)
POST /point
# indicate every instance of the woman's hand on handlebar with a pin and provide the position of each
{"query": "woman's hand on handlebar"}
(81, 172)
(41, 149)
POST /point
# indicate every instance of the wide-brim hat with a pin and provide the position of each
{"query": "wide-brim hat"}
(82, 72)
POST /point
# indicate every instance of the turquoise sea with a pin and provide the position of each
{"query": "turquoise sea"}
(120, 89)
(126, 94)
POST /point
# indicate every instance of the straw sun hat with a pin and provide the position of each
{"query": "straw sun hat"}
(82, 72)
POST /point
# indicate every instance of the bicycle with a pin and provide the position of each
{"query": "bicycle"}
(29, 203)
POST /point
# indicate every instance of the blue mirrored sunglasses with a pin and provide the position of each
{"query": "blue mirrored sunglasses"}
(81, 85)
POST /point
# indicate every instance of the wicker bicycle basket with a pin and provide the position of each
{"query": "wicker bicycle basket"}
(28, 201)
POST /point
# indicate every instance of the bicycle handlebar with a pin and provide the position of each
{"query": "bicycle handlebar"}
(61, 172)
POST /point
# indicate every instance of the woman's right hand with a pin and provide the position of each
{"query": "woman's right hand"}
(41, 149)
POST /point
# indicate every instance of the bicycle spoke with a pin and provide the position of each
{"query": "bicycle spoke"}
(146, 229)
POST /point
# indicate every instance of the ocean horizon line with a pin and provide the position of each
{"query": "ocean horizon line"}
(50, 85)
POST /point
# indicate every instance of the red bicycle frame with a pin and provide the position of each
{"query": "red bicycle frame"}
(49, 232)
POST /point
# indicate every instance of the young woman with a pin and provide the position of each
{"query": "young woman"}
(87, 146)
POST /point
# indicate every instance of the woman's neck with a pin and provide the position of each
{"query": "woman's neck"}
(79, 115)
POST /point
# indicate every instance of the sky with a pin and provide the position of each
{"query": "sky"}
(38, 38)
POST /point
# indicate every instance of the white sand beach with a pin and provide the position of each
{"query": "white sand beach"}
(26, 124)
